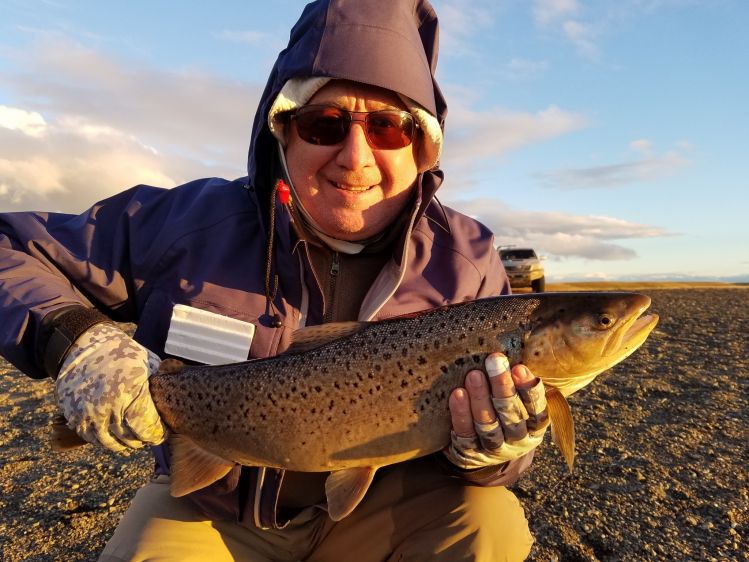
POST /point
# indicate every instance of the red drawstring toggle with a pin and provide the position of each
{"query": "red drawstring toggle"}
(284, 192)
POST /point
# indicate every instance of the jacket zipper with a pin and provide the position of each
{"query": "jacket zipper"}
(335, 268)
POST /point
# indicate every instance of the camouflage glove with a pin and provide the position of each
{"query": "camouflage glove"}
(102, 389)
(497, 422)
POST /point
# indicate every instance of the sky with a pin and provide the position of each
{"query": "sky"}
(609, 135)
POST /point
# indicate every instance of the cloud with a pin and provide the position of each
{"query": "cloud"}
(547, 12)
(559, 235)
(245, 37)
(583, 36)
(459, 22)
(519, 68)
(475, 135)
(564, 16)
(647, 167)
(30, 123)
(91, 125)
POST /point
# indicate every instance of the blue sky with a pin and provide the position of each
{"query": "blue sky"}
(609, 135)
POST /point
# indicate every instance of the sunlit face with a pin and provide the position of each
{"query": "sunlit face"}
(351, 190)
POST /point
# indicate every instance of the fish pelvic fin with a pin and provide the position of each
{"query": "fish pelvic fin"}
(313, 337)
(194, 468)
(562, 426)
(346, 488)
(170, 366)
(62, 437)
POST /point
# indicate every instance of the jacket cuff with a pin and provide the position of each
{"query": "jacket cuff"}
(500, 475)
(59, 330)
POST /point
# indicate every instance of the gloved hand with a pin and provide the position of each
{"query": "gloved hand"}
(497, 422)
(102, 389)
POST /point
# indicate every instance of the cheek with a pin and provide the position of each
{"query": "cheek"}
(399, 169)
(303, 162)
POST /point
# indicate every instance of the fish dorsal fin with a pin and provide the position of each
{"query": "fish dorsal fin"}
(562, 426)
(194, 468)
(312, 337)
(346, 488)
(170, 366)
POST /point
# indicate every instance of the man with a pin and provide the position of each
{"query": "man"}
(351, 123)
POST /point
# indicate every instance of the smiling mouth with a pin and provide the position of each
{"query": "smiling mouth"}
(354, 188)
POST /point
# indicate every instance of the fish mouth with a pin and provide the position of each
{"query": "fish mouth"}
(634, 330)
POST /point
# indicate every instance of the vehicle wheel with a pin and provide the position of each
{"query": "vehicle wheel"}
(539, 285)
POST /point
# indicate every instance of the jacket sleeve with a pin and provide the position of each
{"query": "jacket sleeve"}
(55, 261)
(494, 283)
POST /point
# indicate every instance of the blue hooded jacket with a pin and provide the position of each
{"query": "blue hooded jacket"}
(135, 255)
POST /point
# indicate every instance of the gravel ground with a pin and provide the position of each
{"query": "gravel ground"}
(660, 473)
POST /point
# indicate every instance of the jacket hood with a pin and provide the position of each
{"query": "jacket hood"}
(391, 44)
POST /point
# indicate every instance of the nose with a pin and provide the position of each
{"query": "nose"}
(355, 153)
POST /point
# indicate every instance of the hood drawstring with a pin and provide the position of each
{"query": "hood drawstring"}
(283, 192)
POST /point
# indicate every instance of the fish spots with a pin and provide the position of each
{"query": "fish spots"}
(460, 361)
(387, 356)
(404, 383)
(481, 340)
(443, 368)
(318, 388)
(422, 360)
(404, 352)
(331, 404)
(476, 358)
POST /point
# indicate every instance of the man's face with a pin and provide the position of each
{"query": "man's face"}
(351, 190)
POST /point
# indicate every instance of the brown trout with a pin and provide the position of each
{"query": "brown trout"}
(351, 397)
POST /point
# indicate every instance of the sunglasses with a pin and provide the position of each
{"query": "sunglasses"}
(327, 125)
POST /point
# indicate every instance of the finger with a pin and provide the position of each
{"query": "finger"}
(142, 419)
(512, 415)
(534, 400)
(480, 398)
(96, 435)
(498, 370)
(460, 412)
(522, 377)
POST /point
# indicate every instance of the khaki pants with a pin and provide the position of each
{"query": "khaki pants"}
(412, 513)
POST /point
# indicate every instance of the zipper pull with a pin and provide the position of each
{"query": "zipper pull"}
(334, 266)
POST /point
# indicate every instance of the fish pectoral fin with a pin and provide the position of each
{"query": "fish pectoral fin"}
(346, 488)
(313, 337)
(194, 468)
(63, 438)
(562, 426)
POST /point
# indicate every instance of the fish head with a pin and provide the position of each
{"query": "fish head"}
(575, 336)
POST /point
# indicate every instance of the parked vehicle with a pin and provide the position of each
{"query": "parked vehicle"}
(523, 267)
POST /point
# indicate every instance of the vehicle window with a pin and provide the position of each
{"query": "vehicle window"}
(517, 254)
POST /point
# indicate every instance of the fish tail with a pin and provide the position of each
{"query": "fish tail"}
(63, 438)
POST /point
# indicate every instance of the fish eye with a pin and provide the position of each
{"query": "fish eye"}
(605, 320)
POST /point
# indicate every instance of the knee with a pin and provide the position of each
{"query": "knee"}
(495, 525)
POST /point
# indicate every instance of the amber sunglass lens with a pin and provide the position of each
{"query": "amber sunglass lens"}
(389, 129)
(323, 126)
